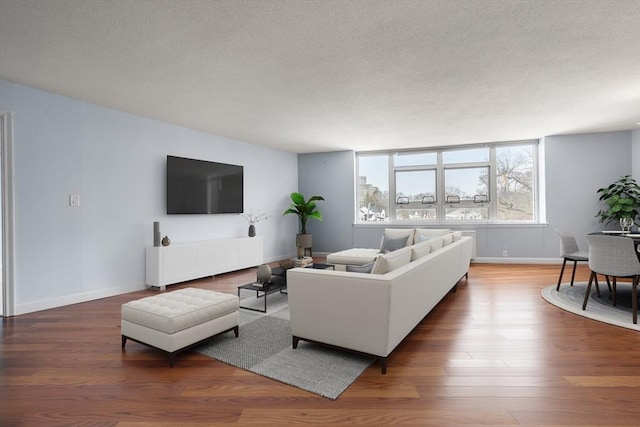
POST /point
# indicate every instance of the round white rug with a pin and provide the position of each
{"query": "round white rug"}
(570, 298)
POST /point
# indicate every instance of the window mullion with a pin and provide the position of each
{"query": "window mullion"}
(493, 185)
(392, 189)
(440, 189)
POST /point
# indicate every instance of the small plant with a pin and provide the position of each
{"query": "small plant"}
(254, 218)
(622, 198)
(305, 209)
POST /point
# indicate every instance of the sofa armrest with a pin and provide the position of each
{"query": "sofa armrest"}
(349, 310)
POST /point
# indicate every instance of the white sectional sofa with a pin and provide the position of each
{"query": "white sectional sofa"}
(363, 256)
(372, 313)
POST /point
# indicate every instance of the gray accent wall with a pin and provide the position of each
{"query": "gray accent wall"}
(115, 162)
(575, 167)
(330, 175)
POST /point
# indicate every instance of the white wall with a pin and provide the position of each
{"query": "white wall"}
(115, 162)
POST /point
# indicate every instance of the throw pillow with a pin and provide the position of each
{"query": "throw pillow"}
(428, 233)
(389, 262)
(436, 243)
(360, 268)
(390, 245)
(456, 235)
(420, 250)
(447, 239)
(394, 233)
(419, 238)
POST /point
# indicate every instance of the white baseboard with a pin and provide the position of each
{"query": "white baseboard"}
(75, 299)
(510, 260)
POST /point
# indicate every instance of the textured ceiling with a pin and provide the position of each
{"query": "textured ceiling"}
(310, 76)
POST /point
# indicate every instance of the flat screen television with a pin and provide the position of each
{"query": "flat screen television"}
(203, 187)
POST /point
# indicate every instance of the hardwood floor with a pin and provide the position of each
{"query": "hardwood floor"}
(493, 353)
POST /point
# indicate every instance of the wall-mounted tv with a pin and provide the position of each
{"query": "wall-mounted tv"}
(203, 187)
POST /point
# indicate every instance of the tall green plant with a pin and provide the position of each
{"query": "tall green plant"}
(622, 199)
(305, 209)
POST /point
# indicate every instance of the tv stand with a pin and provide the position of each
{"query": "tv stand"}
(176, 263)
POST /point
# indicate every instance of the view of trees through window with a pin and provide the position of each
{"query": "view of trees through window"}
(515, 183)
(492, 183)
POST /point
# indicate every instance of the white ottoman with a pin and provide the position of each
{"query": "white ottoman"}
(174, 321)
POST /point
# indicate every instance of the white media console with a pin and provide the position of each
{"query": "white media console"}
(188, 261)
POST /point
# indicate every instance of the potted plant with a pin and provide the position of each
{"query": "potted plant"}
(305, 209)
(623, 202)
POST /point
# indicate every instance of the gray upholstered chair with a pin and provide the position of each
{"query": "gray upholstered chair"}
(569, 251)
(614, 256)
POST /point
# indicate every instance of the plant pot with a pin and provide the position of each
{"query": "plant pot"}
(304, 240)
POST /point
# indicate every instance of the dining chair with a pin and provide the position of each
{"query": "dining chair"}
(614, 256)
(569, 251)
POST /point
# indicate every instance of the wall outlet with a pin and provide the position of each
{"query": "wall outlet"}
(74, 200)
(505, 253)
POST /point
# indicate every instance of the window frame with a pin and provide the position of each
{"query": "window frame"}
(440, 204)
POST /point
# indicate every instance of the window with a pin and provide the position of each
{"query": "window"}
(515, 183)
(415, 195)
(373, 188)
(463, 187)
(491, 183)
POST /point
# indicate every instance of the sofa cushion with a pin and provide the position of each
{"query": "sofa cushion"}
(355, 256)
(392, 260)
(419, 250)
(394, 233)
(456, 235)
(391, 244)
(423, 234)
(436, 243)
(447, 239)
(360, 268)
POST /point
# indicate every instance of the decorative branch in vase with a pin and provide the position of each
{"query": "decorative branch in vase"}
(252, 219)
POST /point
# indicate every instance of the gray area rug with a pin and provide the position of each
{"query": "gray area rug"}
(264, 347)
(570, 298)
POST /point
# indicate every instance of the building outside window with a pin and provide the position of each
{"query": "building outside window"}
(491, 183)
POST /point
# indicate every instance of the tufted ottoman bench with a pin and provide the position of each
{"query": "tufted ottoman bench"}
(174, 321)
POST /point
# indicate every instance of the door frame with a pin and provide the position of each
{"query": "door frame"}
(8, 213)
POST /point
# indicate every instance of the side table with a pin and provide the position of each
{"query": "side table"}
(277, 284)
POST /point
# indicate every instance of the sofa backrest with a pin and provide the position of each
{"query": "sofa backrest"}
(422, 234)
(397, 257)
(395, 233)
(463, 241)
